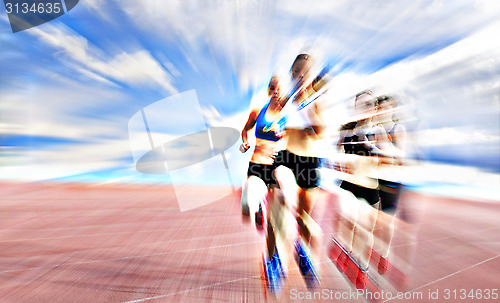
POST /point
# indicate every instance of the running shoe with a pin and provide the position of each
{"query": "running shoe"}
(342, 261)
(260, 219)
(245, 210)
(383, 265)
(279, 266)
(334, 252)
(361, 279)
(306, 267)
(273, 282)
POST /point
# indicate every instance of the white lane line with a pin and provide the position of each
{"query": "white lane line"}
(130, 257)
(102, 234)
(111, 225)
(448, 237)
(151, 243)
(207, 286)
(450, 275)
(191, 289)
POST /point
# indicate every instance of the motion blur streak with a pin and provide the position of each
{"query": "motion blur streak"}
(79, 223)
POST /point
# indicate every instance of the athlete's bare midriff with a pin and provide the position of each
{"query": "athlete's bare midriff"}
(264, 151)
(299, 143)
(302, 142)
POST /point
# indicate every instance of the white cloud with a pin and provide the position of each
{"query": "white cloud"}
(467, 69)
(448, 136)
(258, 40)
(98, 7)
(211, 114)
(94, 4)
(62, 108)
(64, 160)
(138, 68)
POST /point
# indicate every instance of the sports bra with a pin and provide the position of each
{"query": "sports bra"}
(269, 130)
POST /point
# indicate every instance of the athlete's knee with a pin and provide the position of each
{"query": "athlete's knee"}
(254, 181)
(283, 174)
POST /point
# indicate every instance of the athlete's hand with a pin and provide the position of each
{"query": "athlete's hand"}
(345, 167)
(244, 147)
(349, 168)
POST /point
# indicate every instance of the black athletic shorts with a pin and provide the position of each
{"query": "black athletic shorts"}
(371, 195)
(389, 194)
(304, 168)
(264, 171)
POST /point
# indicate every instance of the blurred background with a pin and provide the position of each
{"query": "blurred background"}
(80, 221)
(69, 87)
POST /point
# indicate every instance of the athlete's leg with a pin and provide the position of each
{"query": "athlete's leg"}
(279, 219)
(384, 228)
(309, 229)
(253, 194)
(309, 244)
(383, 234)
(288, 186)
(300, 201)
(348, 216)
(405, 230)
(363, 233)
(346, 226)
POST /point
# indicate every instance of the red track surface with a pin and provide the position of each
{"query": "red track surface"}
(81, 243)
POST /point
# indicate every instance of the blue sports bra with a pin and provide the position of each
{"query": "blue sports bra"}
(269, 130)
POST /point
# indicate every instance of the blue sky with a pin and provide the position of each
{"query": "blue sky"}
(69, 87)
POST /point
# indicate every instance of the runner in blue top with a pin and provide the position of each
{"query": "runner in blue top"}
(261, 185)
(269, 129)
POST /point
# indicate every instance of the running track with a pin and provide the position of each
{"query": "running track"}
(84, 243)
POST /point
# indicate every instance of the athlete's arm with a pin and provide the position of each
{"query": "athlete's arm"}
(383, 147)
(318, 128)
(252, 118)
(400, 147)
